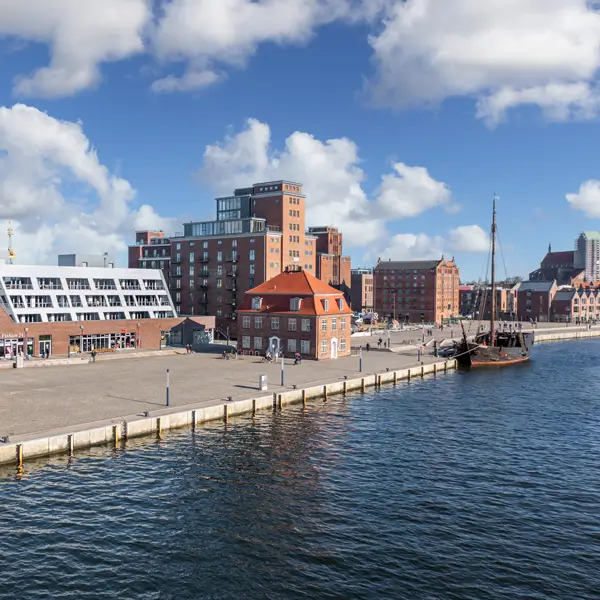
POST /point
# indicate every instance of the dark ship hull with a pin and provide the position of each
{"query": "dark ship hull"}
(510, 348)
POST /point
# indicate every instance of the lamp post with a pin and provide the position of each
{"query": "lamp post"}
(81, 340)
(138, 341)
(25, 330)
(282, 372)
(360, 359)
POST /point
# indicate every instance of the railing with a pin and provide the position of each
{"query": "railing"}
(204, 260)
(273, 228)
(203, 286)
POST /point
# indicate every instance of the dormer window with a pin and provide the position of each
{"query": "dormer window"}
(340, 303)
(326, 305)
(295, 304)
(256, 303)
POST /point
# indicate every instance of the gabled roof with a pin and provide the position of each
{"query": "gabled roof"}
(564, 295)
(559, 258)
(407, 264)
(293, 283)
(536, 286)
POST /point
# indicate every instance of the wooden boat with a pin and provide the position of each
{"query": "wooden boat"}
(494, 348)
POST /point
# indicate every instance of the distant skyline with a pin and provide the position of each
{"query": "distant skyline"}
(401, 118)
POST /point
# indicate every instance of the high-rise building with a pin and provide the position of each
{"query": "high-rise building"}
(587, 254)
(331, 266)
(258, 233)
(418, 290)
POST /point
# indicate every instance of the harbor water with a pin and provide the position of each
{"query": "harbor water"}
(472, 485)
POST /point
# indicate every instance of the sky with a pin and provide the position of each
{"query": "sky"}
(401, 118)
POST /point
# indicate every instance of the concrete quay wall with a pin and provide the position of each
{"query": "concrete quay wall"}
(115, 433)
(557, 336)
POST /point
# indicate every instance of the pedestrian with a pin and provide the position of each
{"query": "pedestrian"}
(47, 353)
(94, 355)
(379, 342)
(368, 347)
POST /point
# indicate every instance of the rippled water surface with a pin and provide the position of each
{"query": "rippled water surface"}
(483, 485)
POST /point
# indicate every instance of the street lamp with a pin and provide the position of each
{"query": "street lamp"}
(81, 340)
(138, 341)
(26, 329)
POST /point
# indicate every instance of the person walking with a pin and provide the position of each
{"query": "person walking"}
(94, 353)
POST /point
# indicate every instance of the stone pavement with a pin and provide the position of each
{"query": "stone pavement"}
(36, 400)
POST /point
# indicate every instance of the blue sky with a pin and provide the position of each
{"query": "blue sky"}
(475, 115)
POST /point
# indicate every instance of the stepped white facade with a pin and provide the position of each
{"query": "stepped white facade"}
(45, 294)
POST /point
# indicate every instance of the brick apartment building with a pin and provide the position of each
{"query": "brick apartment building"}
(258, 233)
(295, 312)
(535, 300)
(414, 291)
(331, 266)
(152, 250)
(361, 290)
(477, 301)
(576, 305)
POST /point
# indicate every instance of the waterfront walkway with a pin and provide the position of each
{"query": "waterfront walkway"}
(44, 400)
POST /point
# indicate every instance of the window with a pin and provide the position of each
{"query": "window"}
(178, 257)
(305, 347)
(252, 254)
(178, 246)
(343, 323)
(219, 312)
(233, 243)
(323, 347)
(295, 304)
(305, 324)
(340, 303)
(192, 256)
(333, 324)
(258, 322)
(291, 345)
(245, 341)
(274, 323)
(323, 324)
(343, 344)
(219, 283)
(326, 305)
(246, 323)
(256, 303)
(178, 297)
(292, 324)
(251, 269)
(220, 255)
(258, 343)
(191, 270)
(205, 244)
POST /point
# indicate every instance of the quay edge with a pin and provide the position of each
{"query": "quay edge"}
(116, 431)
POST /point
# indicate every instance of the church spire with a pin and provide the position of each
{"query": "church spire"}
(549, 248)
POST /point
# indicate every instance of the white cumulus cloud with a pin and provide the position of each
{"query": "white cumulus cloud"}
(81, 36)
(58, 194)
(334, 186)
(504, 52)
(587, 199)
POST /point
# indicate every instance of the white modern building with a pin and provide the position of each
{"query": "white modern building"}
(42, 294)
(587, 254)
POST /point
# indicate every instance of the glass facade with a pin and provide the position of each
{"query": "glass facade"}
(229, 227)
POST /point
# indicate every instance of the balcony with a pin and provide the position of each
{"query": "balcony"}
(204, 273)
(204, 261)
(231, 316)
(231, 287)
(232, 259)
(203, 286)
(231, 273)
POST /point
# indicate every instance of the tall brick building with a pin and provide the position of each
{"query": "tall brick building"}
(414, 291)
(332, 266)
(258, 233)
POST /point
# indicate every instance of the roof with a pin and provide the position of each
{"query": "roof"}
(407, 264)
(536, 286)
(564, 295)
(293, 283)
(559, 258)
(277, 293)
(591, 235)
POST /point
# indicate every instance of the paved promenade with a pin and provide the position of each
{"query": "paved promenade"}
(36, 400)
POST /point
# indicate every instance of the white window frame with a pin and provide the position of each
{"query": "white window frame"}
(258, 343)
(304, 346)
(334, 324)
(246, 323)
(324, 345)
(246, 341)
(274, 323)
(256, 303)
(340, 303)
(295, 304)
(291, 345)
(343, 323)
(323, 324)
(258, 322)
(342, 344)
(292, 324)
(326, 305)
(306, 325)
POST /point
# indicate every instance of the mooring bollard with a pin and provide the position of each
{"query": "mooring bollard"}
(115, 435)
(280, 401)
(70, 444)
(253, 406)
(225, 413)
(363, 384)
(324, 393)
(19, 455)
(345, 387)
(304, 397)
(168, 387)
(158, 426)
(395, 377)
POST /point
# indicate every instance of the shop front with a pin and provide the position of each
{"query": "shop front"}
(13, 346)
(102, 341)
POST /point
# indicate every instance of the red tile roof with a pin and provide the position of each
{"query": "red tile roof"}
(278, 291)
(559, 258)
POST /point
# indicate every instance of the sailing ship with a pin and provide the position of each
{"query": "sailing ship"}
(493, 347)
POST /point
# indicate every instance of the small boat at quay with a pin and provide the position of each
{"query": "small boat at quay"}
(494, 348)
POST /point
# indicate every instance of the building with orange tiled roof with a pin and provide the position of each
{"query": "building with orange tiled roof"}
(295, 312)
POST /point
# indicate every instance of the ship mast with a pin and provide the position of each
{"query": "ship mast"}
(11, 252)
(493, 304)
